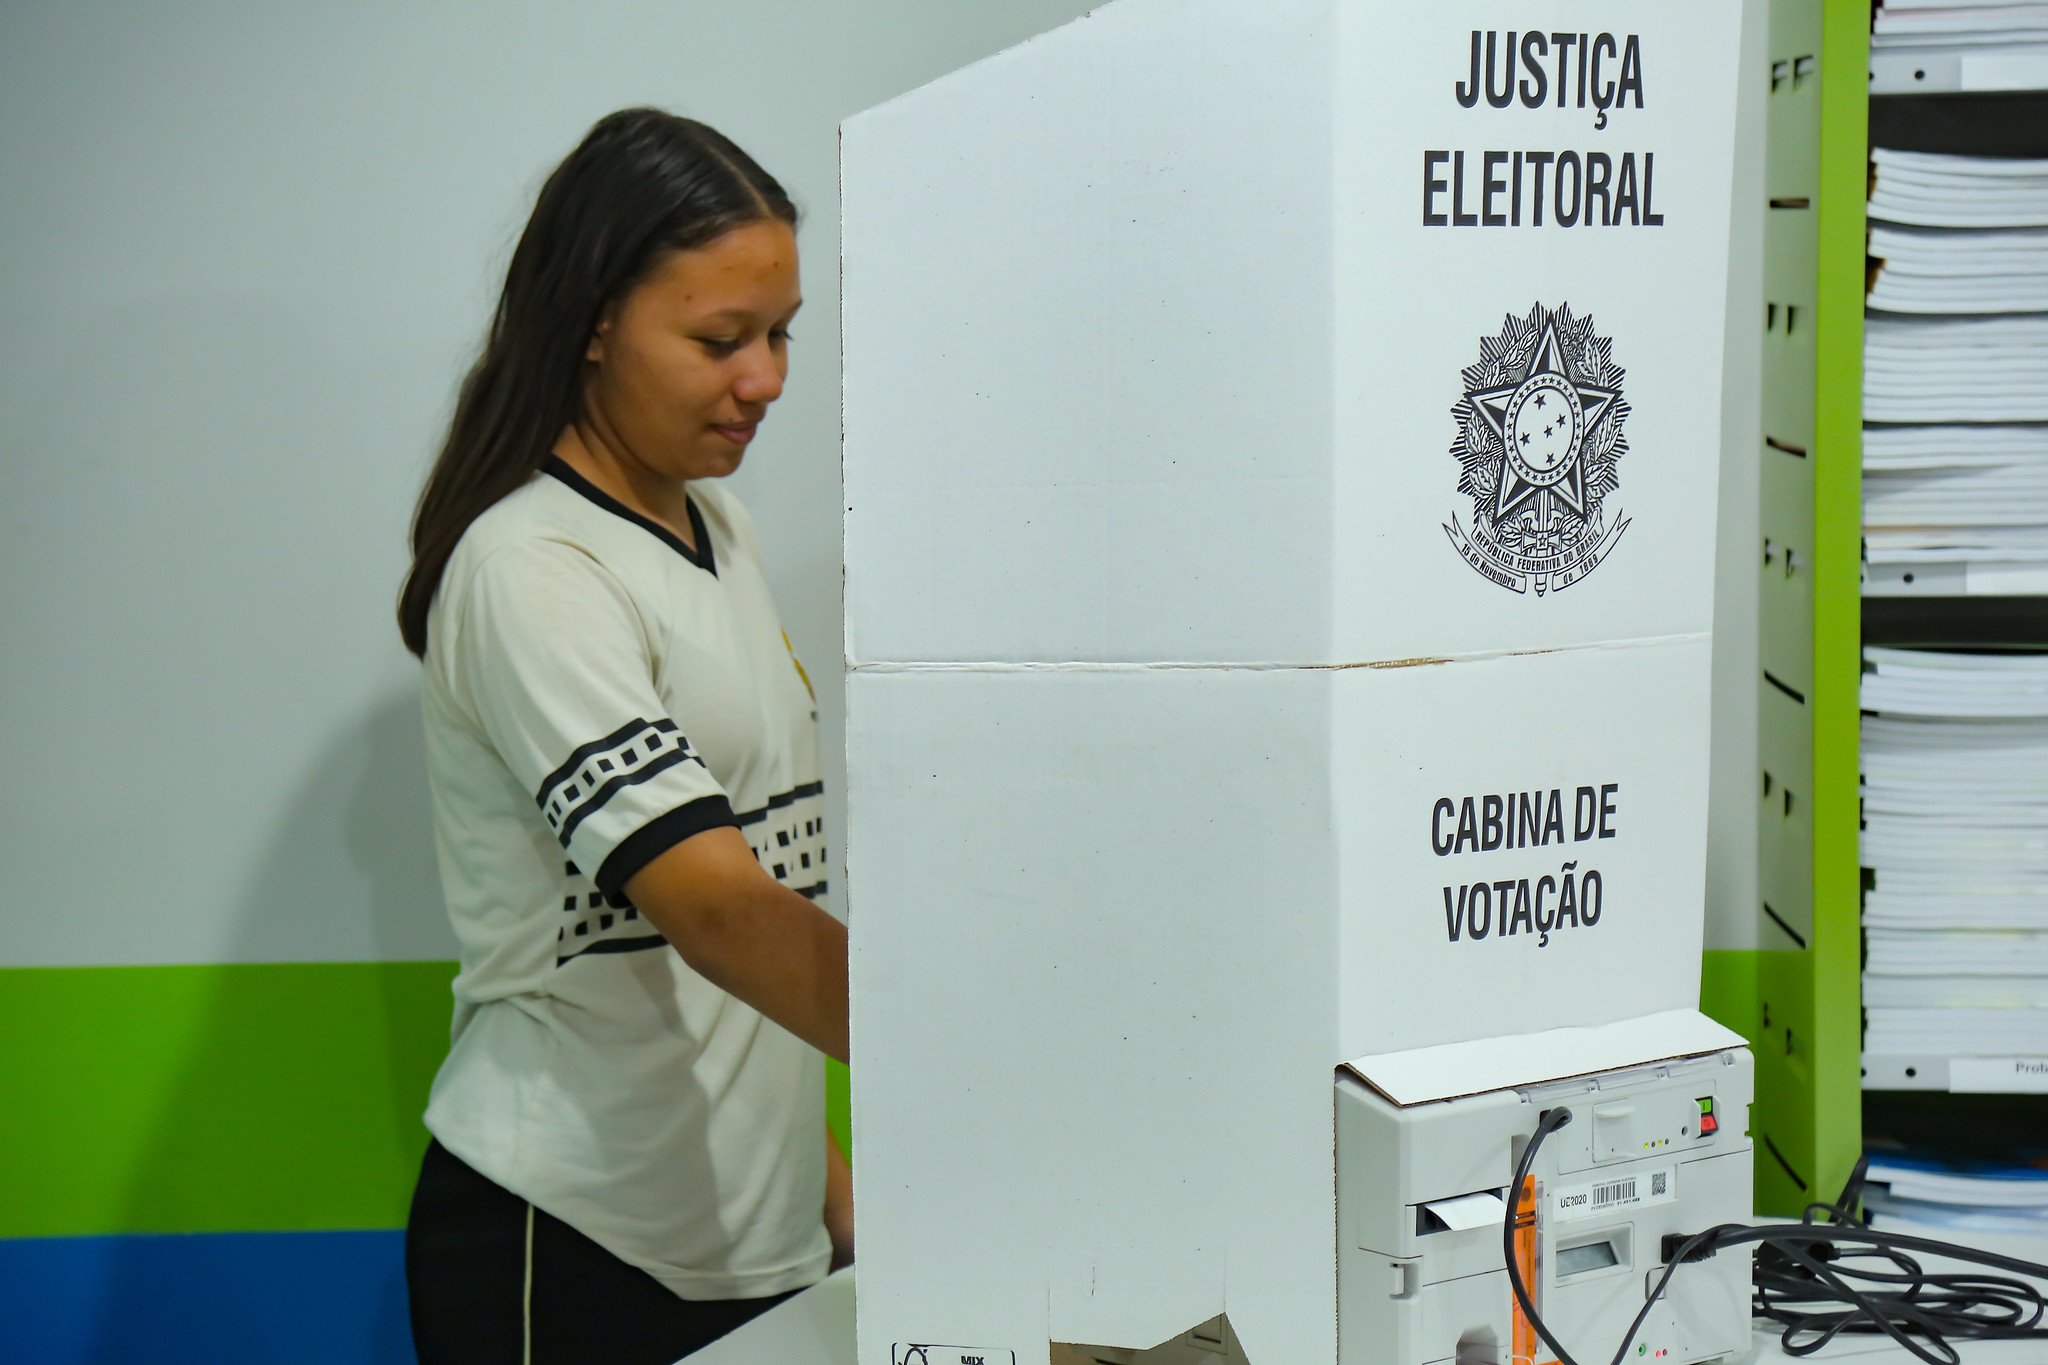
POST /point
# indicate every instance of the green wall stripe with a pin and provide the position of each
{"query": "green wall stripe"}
(242, 1098)
(839, 1104)
(238, 1098)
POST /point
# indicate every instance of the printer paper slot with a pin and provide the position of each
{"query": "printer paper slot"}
(1485, 1208)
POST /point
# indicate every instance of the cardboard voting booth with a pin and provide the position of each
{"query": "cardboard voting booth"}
(1281, 442)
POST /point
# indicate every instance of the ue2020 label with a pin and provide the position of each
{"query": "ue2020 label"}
(1539, 452)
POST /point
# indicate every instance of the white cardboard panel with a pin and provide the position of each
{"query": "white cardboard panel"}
(1448, 1070)
(1151, 355)
(1150, 361)
(1627, 722)
(1114, 928)
(1094, 974)
(1415, 302)
(1086, 297)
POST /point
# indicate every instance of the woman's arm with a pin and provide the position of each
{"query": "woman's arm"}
(838, 1202)
(749, 935)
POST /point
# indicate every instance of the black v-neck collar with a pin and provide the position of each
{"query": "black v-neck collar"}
(702, 556)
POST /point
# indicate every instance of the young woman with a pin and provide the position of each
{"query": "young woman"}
(630, 1155)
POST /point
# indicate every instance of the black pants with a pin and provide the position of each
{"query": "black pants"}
(466, 1276)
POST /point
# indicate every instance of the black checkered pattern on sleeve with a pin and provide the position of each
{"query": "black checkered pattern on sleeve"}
(631, 754)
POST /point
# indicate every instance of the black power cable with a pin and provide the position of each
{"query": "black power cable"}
(1548, 1122)
(1801, 1279)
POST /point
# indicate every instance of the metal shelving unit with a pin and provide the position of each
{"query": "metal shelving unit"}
(1798, 997)
(1922, 109)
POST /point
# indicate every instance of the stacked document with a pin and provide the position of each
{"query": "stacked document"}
(1934, 189)
(1986, 24)
(1922, 1191)
(1960, 270)
(1955, 843)
(1951, 508)
(1924, 46)
(1967, 369)
(1955, 376)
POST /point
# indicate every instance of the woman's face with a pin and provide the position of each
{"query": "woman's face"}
(684, 368)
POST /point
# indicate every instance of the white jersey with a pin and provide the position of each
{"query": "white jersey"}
(595, 693)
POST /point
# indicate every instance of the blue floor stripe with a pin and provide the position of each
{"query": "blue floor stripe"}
(240, 1298)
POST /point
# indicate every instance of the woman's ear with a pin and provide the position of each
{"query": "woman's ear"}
(593, 351)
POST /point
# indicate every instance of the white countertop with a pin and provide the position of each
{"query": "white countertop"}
(816, 1328)
(1880, 1351)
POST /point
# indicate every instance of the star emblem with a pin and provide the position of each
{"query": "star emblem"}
(1538, 442)
(1546, 458)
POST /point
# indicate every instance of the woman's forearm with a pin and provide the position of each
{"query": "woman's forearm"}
(750, 935)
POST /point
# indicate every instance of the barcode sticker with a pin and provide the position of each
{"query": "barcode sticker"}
(1574, 1202)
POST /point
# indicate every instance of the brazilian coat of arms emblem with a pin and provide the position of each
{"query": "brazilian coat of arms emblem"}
(1539, 445)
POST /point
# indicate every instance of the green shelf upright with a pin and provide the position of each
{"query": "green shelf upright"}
(1797, 997)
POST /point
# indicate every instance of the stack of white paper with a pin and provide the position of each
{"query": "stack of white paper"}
(1923, 46)
(1955, 837)
(1949, 270)
(1958, 1029)
(1973, 369)
(1912, 449)
(1914, 682)
(1959, 24)
(1934, 189)
(1955, 361)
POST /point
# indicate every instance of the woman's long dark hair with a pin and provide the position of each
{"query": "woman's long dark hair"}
(643, 183)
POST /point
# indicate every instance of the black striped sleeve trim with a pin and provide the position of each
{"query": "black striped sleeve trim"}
(654, 767)
(776, 803)
(617, 945)
(657, 837)
(596, 747)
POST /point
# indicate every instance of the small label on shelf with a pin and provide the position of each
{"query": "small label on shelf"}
(2021, 70)
(1982, 579)
(1998, 1075)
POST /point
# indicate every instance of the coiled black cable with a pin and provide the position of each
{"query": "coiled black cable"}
(1800, 1278)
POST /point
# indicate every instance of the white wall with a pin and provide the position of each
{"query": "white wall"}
(246, 251)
